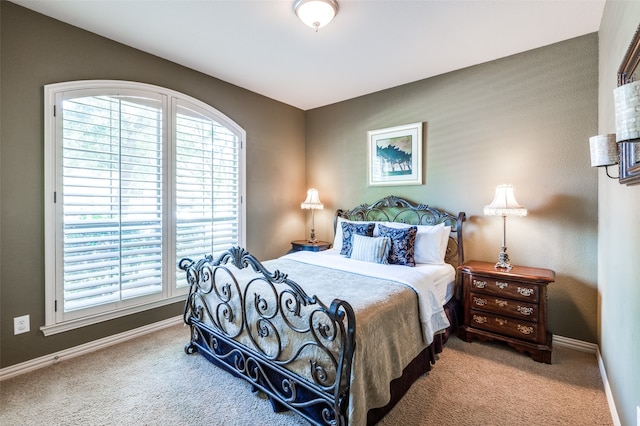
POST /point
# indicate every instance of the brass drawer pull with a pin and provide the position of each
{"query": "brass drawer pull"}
(524, 329)
(501, 285)
(525, 310)
(525, 291)
(478, 301)
(501, 303)
(479, 319)
(479, 284)
(501, 321)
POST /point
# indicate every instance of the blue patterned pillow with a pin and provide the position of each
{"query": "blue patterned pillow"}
(402, 244)
(348, 229)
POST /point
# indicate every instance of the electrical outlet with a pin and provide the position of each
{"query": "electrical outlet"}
(21, 324)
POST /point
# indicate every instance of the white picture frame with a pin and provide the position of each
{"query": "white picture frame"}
(395, 155)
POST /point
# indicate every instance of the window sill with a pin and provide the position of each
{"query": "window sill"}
(49, 330)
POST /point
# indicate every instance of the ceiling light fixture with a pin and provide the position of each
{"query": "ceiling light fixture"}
(316, 13)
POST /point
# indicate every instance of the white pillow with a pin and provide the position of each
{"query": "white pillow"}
(444, 235)
(370, 249)
(337, 239)
(431, 241)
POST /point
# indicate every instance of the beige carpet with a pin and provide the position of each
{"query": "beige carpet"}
(153, 382)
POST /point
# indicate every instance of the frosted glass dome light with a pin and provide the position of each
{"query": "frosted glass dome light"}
(316, 13)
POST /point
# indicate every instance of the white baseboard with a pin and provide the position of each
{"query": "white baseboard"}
(44, 361)
(607, 390)
(580, 345)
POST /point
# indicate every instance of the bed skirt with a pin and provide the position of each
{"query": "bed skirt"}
(420, 364)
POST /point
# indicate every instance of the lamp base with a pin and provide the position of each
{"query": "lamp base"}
(503, 260)
(313, 238)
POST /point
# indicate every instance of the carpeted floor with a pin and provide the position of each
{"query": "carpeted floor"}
(152, 381)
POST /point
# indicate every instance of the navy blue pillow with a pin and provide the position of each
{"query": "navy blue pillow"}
(348, 229)
(402, 244)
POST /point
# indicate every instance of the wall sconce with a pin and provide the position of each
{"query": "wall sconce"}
(504, 204)
(313, 203)
(627, 104)
(604, 151)
(316, 13)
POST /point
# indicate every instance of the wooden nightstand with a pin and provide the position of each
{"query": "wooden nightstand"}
(510, 306)
(299, 245)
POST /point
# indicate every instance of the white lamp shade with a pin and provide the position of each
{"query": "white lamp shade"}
(627, 103)
(316, 13)
(604, 150)
(313, 200)
(504, 203)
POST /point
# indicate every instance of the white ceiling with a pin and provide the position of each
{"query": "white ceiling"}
(371, 44)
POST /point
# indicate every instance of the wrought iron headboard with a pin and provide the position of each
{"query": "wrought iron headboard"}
(396, 209)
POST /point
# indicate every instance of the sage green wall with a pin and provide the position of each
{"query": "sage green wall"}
(36, 50)
(618, 231)
(523, 120)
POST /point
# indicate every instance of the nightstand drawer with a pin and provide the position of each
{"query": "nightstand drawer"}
(506, 326)
(503, 306)
(508, 305)
(505, 288)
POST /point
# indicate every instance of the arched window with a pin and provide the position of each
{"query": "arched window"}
(136, 178)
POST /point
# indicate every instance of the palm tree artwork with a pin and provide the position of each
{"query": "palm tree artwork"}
(394, 156)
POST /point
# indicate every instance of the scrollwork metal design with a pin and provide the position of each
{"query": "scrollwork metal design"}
(479, 284)
(479, 302)
(266, 328)
(526, 291)
(525, 310)
(479, 319)
(502, 285)
(525, 329)
(397, 209)
(501, 321)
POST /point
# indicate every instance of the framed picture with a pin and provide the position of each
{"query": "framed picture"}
(395, 155)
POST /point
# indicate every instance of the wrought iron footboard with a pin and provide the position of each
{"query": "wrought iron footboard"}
(263, 327)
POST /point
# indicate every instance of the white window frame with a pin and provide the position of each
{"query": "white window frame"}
(170, 293)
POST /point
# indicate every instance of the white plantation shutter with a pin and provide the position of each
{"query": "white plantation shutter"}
(111, 199)
(136, 178)
(207, 185)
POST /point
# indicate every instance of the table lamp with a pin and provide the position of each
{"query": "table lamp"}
(312, 202)
(504, 204)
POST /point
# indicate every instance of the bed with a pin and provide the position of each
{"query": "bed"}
(335, 336)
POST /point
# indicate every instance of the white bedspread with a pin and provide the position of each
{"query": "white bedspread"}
(431, 283)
